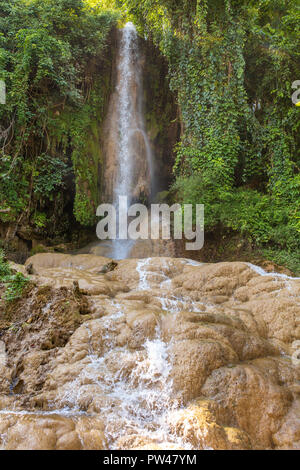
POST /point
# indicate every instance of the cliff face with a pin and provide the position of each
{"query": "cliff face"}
(162, 115)
(72, 139)
(153, 128)
(88, 141)
(158, 353)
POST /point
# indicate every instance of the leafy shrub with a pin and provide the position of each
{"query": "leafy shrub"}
(14, 283)
(52, 58)
(262, 218)
(232, 65)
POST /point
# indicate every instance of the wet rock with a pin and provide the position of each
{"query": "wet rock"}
(30, 269)
(249, 399)
(198, 425)
(50, 432)
(161, 353)
(108, 267)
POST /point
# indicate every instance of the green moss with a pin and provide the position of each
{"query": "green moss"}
(86, 155)
(77, 134)
(39, 249)
(288, 259)
(13, 283)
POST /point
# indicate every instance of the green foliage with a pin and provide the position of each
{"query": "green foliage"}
(4, 266)
(232, 65)
(49, 175)
(262, 218)
(83, 209)
(48, 55)
(284, 258)
(14, 283)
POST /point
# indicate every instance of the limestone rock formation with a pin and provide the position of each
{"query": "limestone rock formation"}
(157, 353)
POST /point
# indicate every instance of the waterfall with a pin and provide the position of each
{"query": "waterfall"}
(133, 149)
(129, 164)
(126, 116)
(126, 151)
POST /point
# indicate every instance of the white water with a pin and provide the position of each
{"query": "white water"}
(134, 388)
(276, 276)
(131, 123)
(126, 123)
(136, 396)
(262, 272)
(139, 403)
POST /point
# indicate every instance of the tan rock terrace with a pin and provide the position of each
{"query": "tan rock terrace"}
(159, 353)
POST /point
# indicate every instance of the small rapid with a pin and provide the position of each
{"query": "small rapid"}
(146, 368)
(135, 389)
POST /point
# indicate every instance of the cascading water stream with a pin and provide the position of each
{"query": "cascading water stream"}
(138, 402)
(131, 128)
(118, 371)
(124, 181)
(127, 152)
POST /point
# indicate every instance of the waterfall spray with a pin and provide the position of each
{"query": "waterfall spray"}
(134, 155)
(123, 183)
(131, 125)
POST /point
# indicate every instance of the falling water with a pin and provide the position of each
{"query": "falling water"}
(135, 399)
(128, 78)
(131, 118)
(127, 150)
(134, 155)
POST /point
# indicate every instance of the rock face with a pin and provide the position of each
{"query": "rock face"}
(158, 353)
